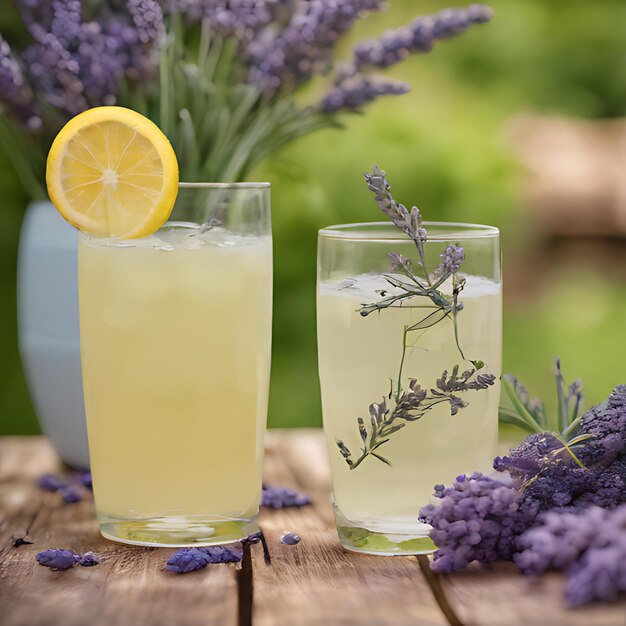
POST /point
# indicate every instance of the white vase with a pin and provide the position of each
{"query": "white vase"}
(47, 294)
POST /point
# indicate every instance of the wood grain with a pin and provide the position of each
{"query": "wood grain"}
(315, 582)
(497, 595)
(128, 587)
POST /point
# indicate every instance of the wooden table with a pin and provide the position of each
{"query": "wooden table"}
(315, 582)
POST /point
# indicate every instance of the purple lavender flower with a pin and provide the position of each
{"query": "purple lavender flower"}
(606, 423)
(142, 39)
(558, 539)
(410, 222)
(84, 478)
(52, 482)
(609, 486)
(304, 47)
(552, 473)
(66, 21)
(15, 92)
(559, 482)
(55, 74)
(192, 559)
(71, 494)
(600, 574)
(355, 92)
(70, 487)
(147, 20)
(75, 64)
(186, 560)
(57, 559)
(36, 15)
(419, 36)
(589, 545)
(239, 18)
(452, 258)
(220, 554)
(88, 559)
(478, 518)
(528, 458)
(290, 539)
(282, 497)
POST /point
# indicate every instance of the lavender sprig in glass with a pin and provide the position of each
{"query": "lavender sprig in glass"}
(414, 402)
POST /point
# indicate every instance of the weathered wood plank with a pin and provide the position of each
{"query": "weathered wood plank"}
(128, 587)
(317, 582)
(482, 595)
(497, 595)
(312, 583)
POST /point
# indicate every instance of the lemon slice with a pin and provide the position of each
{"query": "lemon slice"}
(112, 173)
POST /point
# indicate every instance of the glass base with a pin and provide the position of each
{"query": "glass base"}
(177, 532)
(383, 544)
(385, 537)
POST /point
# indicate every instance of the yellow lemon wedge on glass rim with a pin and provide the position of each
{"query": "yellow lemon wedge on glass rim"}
(111, 172)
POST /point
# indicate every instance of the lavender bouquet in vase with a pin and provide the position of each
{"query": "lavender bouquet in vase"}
(220, 77)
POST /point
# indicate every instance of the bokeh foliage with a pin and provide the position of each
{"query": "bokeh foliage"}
(444, 147)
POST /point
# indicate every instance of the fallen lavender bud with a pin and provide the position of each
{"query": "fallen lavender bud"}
(186, 560)
(58, 559)
(71, 494)
(221, 554)
(52, 482)
(282, 498)
(85, 479)
(88, 559)
(70, 487)
(192, 559)
(290, 539)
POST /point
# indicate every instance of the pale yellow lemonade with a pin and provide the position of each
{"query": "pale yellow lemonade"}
(175, 337)
(358, 358)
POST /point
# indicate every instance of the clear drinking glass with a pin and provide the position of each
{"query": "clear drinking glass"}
(175, 343)
(408, 402)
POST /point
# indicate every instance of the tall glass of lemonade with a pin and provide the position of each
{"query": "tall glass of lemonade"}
(409, 336)
(175, 340)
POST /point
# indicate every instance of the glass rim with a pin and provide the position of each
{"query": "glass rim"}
(201, 185)
(362, 231)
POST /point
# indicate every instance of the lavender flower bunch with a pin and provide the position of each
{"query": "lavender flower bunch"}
(477, 518)
(552, 504)
(589, 469)
(218, 76)
(589, 545)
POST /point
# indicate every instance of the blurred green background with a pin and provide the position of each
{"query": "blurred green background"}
(448, 147)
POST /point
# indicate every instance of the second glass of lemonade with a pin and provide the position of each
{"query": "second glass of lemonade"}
(175, 341)
(409, 363)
